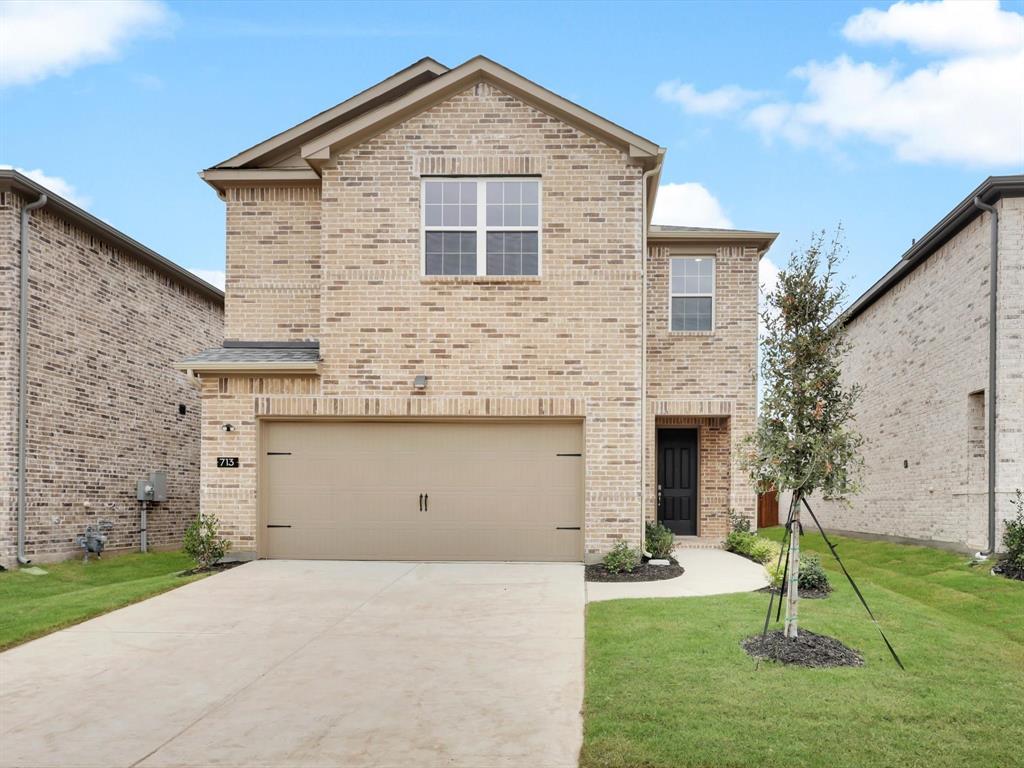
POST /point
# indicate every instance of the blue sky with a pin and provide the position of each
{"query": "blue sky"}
(778, 116)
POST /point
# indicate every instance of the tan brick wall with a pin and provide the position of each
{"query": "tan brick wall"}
(695, 373)
(919, 352)
(272, 283)
(104, 332)
(564, 344)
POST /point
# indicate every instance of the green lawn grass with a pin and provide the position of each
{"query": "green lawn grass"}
(74, 591)
(668, 684)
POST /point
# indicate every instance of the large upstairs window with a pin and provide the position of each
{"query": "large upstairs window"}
(481, 226)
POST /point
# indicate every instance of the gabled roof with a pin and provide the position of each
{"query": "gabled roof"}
(298, 154)
(264, 153)
(990, 190)
(317, 150)
(11, 179)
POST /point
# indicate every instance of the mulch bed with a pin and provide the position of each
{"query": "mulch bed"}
(1008, 571)
(644, 572)
(215, 568)
(806, 650)
(810, 594)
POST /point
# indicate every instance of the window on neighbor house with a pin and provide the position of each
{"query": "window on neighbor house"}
(481, 226)
(692, 293)
(976, 438)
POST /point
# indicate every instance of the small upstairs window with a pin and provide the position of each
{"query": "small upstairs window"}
(692, 293)
(483, 226)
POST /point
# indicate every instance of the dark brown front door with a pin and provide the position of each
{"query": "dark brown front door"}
(677, 480)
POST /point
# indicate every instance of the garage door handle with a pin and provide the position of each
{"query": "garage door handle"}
(421, 502)
(426, 502)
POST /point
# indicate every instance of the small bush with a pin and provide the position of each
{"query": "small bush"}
(812, 575)
(740, 542)
(622, 559)
(1013, 538)
(764, 551)
(775, 573)
(659, 540)
(202, 542)
(739, 522)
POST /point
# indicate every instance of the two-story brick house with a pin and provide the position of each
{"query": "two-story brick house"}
(452, 334)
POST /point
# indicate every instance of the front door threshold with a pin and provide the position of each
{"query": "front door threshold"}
(698, 542)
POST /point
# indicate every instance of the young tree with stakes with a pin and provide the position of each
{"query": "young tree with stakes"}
(803, 441)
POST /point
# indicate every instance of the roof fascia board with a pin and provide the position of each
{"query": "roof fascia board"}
(763, 240)
(475, 69)
(270, 367)
(274, 143)
(11, 179)
(218, 178)
(990, 190)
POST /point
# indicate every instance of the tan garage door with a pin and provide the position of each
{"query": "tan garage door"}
(423, 491)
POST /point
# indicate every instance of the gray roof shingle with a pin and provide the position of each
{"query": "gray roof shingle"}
(254, 355)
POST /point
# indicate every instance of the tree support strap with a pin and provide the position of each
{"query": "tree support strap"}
(853, 584)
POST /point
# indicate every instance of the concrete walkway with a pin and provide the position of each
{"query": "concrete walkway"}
(288, 663)
(706, 572)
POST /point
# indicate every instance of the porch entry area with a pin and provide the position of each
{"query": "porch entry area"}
(678, 479)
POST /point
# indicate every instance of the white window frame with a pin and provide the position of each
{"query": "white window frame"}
(481, 224)
(713, 295)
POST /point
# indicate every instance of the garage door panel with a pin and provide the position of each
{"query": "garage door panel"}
(496, 491)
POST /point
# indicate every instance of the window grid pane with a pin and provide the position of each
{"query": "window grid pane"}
(512, 253)
(450, 253)
(692, 287)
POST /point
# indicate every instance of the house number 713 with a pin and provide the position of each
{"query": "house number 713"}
(227, 462)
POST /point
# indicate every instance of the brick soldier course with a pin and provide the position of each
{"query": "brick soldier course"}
(107, 318)
(324, 245)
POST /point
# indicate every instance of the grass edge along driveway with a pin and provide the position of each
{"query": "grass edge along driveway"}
(667, 683)
(73, 591)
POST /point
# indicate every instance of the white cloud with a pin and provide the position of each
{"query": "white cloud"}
(966, 106)
(55, 184)
(690, 205)
(967, 25)
(720, 101)
(967, 110)
(212, 276)
(49, 37)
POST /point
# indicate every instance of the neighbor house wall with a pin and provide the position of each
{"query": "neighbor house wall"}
(919, 353)
(706, 379)
(564, 344)
(105, 329)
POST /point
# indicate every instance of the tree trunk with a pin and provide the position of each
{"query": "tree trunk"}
(793, 576)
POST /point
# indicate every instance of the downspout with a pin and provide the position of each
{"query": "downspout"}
(993, 271)
(23, 373)
(643, 347)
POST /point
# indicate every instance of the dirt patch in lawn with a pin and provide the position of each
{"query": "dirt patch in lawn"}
(808, 649)
(643, 572)
(215, 568)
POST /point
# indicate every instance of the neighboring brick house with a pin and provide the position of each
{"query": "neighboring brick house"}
(107, 318)
(435, 334)
(921, 353)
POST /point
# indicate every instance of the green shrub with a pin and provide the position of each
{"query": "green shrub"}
(739, 522)
(659, 540)
(622, 558)
(812, 575)
(202, 542)
(764, 551)
(1013, 538)
(740, 542)
(775, 573)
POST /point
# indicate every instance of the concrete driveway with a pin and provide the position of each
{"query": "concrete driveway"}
(298, 663)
